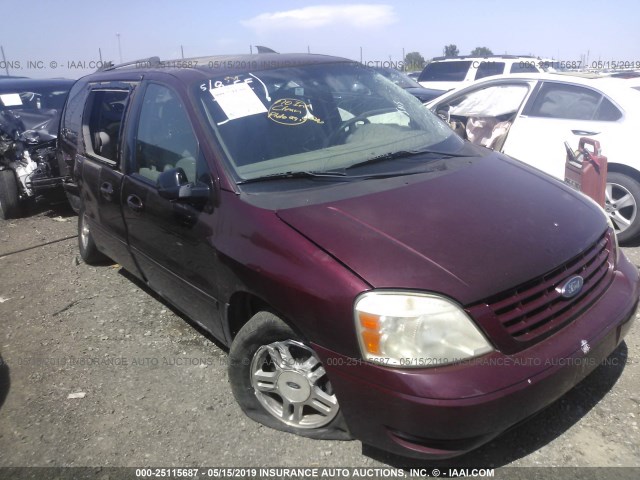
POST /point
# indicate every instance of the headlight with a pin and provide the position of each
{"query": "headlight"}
(415, 330)
(616, 254)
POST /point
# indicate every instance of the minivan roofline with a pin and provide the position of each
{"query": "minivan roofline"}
(467, 57)
(240, 62)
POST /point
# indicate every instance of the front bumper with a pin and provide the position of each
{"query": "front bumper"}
(446, 411)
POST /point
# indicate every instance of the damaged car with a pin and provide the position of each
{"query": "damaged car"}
(30, 112)
(530, 116)
(409, 84)
(373, 275)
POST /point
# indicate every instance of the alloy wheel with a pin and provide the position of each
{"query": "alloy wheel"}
(620, 206)
(291, 384)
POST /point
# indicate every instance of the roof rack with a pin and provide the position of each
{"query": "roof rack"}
(149, 62)
(262, 49)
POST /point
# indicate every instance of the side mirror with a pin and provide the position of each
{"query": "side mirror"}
(360, 89)
(173, 185)
(444, 113)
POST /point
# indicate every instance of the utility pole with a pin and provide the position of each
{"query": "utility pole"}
(119, 47)
(4, 60)
(182, 50)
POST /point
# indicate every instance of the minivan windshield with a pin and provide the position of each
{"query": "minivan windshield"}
(319, 118)
(31, 108)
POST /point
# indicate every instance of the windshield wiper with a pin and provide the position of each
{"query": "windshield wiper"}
(287, 175)
(342, 173)
(405, 154)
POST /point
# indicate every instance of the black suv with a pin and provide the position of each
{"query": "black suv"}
(29, 117)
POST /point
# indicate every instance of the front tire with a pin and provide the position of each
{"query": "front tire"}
(278, 381)
(9, 199)
(621, 203)
(87, 246)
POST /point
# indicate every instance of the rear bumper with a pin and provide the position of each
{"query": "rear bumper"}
(446, 411)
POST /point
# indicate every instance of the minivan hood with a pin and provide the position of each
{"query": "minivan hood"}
(469, 234)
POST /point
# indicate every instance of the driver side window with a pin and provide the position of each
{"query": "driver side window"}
(164, 139)
(484, 116)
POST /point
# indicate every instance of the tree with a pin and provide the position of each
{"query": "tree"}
(481, 52)
(413, 61)
(451, 50)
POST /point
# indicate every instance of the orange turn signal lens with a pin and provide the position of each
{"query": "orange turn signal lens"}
(371, 341)
(369, 321)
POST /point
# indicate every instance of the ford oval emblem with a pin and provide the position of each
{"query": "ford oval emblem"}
(571, 287)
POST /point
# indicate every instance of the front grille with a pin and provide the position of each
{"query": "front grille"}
(535, 310)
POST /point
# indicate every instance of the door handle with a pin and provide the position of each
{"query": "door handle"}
(135, 203)
(584, 133)
(106, 189)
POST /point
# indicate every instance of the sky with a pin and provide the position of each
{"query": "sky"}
(68, 39)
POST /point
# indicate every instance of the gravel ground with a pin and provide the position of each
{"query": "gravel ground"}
(154, 390)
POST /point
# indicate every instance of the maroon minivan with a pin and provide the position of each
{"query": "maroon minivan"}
(374, 276)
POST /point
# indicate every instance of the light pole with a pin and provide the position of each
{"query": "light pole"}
(119, 47)
(4, 60)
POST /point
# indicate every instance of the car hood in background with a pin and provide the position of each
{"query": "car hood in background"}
(468, 234)
(424, 94)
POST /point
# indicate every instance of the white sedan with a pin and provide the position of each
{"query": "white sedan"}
(530, 116)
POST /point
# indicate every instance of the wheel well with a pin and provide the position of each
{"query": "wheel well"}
(625, 170)
(243, 306)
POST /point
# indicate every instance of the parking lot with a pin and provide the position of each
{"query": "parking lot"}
(151, 390)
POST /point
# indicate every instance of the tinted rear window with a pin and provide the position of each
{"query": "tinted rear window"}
(608, 112)
(489, 69)
(445, 71)
(523, 67)
(557, 100)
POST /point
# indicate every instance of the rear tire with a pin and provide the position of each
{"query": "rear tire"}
(279, 381)
(9, 200)
(621, 204)
(87, 246)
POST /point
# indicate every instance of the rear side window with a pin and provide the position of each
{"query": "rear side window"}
(445, 71)
(489, 69)
(608, 112)
(103, 122)
(164, 139)
(523, 67)
(573, 102)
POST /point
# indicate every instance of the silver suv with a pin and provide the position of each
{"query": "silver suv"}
(446, 73)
